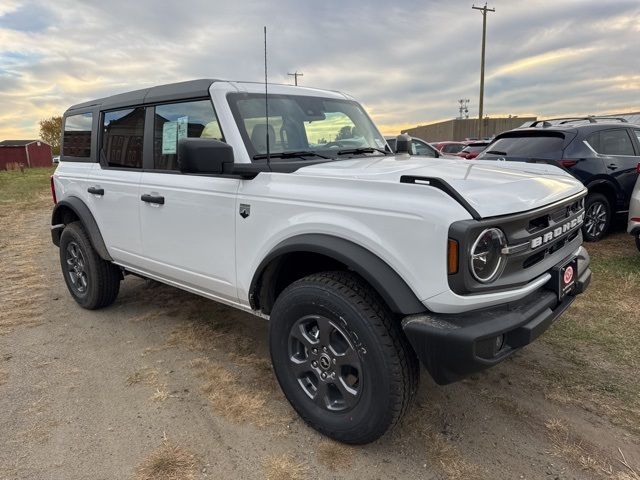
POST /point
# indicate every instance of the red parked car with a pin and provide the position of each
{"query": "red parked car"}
(449, 147)
(473, 149)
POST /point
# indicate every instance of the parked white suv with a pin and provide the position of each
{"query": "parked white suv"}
(633, 225)
(363, 261)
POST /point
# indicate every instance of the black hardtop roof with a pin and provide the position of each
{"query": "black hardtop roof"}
(160, 93)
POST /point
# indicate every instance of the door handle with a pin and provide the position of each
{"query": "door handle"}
(612, 166)
(95, 190)
(157, 199)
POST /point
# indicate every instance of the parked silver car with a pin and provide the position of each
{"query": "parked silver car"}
(633, 227)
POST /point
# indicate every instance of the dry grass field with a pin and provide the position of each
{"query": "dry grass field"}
(167, 385)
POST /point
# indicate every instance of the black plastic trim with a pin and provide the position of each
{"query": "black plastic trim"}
(391, 287)
(452, 346)
(77, 206)
(446, 188)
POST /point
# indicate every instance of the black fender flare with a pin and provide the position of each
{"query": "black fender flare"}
(384, 279)
(80, 209)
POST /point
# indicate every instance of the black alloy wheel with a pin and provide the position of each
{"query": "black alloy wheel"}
(325, 363)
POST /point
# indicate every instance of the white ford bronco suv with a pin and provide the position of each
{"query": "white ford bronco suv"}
(289, 205)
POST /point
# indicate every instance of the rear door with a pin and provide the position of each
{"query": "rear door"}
(115, 181)
(187, 221)
(620, 158)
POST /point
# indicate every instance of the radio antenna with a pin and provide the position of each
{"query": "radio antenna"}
(266, 101)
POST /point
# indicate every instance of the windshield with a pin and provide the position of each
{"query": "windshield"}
(474, 148)
(304, 126)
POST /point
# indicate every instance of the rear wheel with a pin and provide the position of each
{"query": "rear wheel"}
(597, 217)
(340, 358)
(637, 237)
(93, 282)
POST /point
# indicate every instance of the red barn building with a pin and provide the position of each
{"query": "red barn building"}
(31, 153)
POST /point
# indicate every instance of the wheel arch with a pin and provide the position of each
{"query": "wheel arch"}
(73, 209)
(606, 188)
(305, 254)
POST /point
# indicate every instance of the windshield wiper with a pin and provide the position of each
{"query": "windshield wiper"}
(300, 153)
(354, 151)
(495, 152)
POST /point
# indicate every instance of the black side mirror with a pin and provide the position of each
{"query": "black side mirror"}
(403, 144)
(203, 155)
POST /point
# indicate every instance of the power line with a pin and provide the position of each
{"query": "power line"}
(295, 76)
(484, 11)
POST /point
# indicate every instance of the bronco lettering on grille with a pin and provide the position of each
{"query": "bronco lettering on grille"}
(557, 232)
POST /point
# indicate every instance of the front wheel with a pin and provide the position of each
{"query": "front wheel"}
(93, 282)
(341, 359)
(597, 217)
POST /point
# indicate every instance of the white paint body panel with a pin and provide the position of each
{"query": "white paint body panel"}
(198, 241)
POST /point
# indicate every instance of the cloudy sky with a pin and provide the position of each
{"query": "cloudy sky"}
(408, 61)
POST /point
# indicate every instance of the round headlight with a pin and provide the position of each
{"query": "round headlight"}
(487, 260)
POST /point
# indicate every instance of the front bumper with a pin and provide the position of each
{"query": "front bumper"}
(452, 346)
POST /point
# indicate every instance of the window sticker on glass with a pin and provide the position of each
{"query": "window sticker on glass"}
(183, 125)
(169, 137)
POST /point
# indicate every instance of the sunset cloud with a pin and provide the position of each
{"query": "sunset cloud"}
(407, 61)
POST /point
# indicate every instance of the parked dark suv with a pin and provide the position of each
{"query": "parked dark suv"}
(602, 152)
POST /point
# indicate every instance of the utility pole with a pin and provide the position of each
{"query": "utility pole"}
(295, 76)
(484, 11)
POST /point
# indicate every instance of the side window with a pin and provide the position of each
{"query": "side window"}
(594, 141)
(76, 141)
(122, 133)
(615, 142)
(637, 132)
(420, 148)
(180, 120)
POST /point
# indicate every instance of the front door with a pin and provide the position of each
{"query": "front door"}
(187, 221)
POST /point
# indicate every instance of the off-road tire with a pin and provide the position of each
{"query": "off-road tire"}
(102, 277)
(594, 202)
(390, 369)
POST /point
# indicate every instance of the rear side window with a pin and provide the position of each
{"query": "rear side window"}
(76, 141)
(180, 120)
(545, 147)
(122, 133)
(612, 142)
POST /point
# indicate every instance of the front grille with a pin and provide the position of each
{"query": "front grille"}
(537, 240)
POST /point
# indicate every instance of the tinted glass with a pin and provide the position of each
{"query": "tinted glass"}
(615, 142)
(122, 137)
(76, 141)
(180, 120)
(546, 147)
(420, 148)
(453, 148)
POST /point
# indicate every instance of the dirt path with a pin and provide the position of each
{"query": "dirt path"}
(164, 381)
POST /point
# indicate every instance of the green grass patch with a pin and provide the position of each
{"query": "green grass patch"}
(19, 189)
(599, 336)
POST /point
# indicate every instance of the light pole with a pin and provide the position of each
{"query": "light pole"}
(484, 11)
(295, 76)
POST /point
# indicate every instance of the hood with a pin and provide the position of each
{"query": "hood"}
(491, 188)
